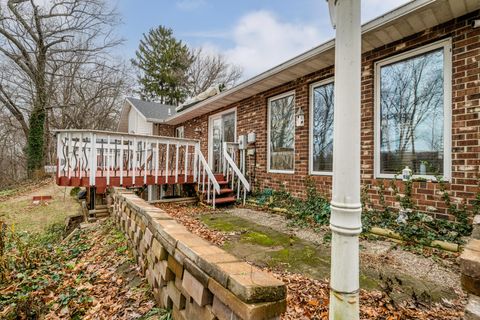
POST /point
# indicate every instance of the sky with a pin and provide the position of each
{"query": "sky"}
(254, 34)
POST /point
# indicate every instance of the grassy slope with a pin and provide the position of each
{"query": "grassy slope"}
(20, 211)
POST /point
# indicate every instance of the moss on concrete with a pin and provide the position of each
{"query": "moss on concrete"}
(271, 248)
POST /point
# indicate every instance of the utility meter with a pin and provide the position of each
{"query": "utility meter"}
(242, 143)
(251, 137)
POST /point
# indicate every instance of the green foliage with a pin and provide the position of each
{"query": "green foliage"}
(74, 192)
(35, 140)
(419, 227)
(163, 62)
(314, 209)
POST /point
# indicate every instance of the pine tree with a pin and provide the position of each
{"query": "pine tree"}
(164, 62)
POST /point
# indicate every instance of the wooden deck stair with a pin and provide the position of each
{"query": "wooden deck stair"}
(226, 196)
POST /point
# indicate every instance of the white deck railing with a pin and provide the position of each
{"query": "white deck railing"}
(92, 157)
(234, 169)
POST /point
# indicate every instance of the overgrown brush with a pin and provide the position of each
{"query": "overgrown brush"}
(29, 262)
(416, 226)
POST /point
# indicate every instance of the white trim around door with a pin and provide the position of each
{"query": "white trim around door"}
(210, 133)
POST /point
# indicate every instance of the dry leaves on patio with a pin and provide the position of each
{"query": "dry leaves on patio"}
(187, 215)
(309, 298)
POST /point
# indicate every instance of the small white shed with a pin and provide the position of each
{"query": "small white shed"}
(138, 116)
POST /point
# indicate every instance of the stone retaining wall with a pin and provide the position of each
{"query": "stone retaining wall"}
(194, 278)
(470, 272)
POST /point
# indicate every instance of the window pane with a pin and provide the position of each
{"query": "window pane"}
(411, 117)
(323, 127)
(282, 133)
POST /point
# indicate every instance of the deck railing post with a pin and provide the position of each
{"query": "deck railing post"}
(145, 149)
(176, 162)
(59, 137)
(81, 161)
(134, 160)
(69, 155)
(108, 160)
(166, 163)
(121, 161)
(157, 151)
(186, 161)
(93, 158)
(195, 160)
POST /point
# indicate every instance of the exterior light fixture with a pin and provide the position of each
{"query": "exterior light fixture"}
(299, 117)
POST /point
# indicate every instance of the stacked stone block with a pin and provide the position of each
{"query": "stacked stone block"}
(190, 276)
(470, 268)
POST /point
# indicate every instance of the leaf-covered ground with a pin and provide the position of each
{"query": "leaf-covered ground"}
(307, 297)
(89, 276)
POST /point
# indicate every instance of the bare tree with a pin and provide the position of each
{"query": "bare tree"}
(34, 43)
(210, 69)
(412, 109)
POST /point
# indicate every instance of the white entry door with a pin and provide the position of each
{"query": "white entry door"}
(222, 128)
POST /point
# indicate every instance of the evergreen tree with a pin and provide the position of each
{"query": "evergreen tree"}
(164, 62)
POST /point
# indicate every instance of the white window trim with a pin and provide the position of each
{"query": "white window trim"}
(310, 131)
(183, 131)
(447, 106)
(283, 95)
(210, 137)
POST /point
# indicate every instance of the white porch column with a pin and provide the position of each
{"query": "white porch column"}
(345, 221)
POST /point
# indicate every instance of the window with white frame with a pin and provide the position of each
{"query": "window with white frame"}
(321, 128)
(413, 112)
(281, 133)
(180, 132)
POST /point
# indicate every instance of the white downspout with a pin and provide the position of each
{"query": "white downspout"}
(345, 221)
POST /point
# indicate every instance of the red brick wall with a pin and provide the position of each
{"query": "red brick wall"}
(252, 116)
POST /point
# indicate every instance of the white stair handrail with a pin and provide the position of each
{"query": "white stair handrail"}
(205, 168)
(241, 180)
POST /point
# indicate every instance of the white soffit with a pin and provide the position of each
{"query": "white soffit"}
(411, 18)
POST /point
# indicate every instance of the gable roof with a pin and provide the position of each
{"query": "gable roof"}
(406, 20)
(152, 111)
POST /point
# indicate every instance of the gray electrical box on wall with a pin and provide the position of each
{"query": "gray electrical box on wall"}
(251, 138)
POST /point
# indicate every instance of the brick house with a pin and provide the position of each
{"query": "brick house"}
(420, 108)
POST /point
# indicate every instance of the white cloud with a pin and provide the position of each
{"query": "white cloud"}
(261, 41)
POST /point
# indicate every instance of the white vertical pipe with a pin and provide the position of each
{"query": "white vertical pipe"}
(93, 156)
(345, 221)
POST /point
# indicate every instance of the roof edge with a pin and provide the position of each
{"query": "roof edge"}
(368, 26)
